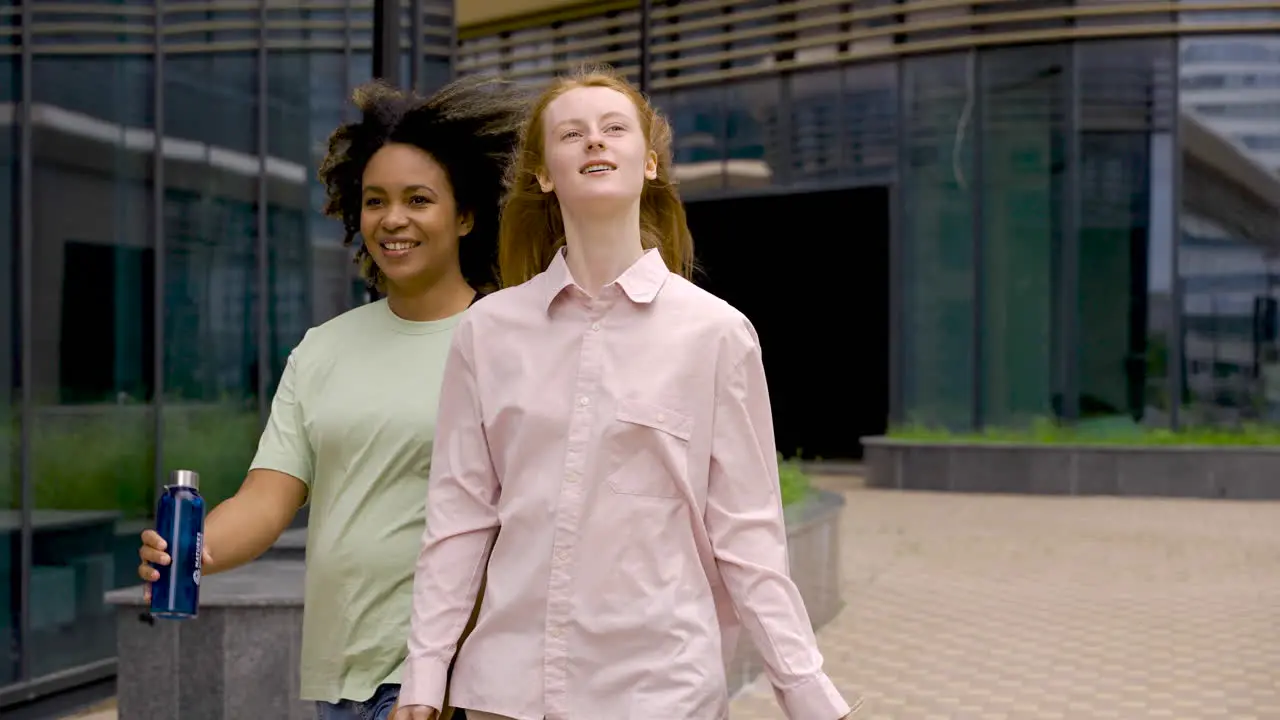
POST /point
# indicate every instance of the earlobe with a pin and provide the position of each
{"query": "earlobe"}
(465, 224)
(651, 166)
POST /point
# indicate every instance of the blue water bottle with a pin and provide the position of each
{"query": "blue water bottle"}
(180, 521)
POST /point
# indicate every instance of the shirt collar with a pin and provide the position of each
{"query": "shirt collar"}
(641, 282)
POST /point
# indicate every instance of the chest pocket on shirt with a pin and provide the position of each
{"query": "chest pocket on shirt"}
(649, 450)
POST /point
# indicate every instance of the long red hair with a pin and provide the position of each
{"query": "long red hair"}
(532, 229)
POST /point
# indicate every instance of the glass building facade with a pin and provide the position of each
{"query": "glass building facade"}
(1085, 225)
(162, 249)
(1085, 222)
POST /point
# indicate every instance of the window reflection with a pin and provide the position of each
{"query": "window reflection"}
(10, 420)
(1023, 113)
(937, 242)
(869, 122)
(754, 142)
(211, 288)
(1230, 225)
(697, 122)
(92, 341)
(815, 126)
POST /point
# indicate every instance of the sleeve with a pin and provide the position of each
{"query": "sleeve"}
(284, 446)
(749, 539)
(462, 522)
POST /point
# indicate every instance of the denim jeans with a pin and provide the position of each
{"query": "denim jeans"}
(377, 707)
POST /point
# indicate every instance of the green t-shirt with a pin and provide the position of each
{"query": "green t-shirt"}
(354, 418)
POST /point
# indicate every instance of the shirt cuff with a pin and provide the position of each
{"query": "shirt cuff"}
(816, 699)
(424, 683)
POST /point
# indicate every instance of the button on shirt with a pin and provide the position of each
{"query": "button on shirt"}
(612, 459)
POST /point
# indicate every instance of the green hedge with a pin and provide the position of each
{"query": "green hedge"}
(101, 458)
(794, 481)
(1111, 431)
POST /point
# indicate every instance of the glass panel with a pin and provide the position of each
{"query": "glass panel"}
(10, 424)
(1227, 258)
(869, 122)
(211, 289)
(304, 95)
(752, 141)
(1126, 236)
(815, 127)
(92, 338)
(436, 69)
(436, 73)
(937, 243)
(359, 71)
(697, 124)
(1023, 162)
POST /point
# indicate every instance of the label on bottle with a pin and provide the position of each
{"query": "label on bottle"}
(195, 576)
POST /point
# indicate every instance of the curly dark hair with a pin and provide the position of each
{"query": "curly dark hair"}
(470, 126)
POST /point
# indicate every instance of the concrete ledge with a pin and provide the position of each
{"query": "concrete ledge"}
(1237, 473)
(240, 658)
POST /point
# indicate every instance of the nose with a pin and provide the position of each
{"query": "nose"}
(394, 219)
(595, 141)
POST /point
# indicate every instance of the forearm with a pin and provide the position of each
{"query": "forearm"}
(245, 526)
(447, 586)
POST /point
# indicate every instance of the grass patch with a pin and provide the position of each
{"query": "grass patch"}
(1099, 432)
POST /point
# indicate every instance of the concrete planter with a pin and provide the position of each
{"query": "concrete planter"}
(1239, 473)
(240, 658)
(813, 544)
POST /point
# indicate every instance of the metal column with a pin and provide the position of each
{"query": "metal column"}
(262, 244)
(977, 126)
(646, 59)
(1176, 370)
(26, 245)
(386, 41)
(1069, 257)
(160, 254)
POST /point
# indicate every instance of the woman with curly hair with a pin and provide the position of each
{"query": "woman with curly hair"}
(352, 422)
(605, 455)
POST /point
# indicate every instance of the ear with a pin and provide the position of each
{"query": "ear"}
(466, 221)
(651, 166)
(544, 181)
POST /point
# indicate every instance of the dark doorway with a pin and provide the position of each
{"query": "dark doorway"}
(108, 323)
(811, 272)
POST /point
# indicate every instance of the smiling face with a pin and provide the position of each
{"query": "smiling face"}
(409, 217)
(595, 148)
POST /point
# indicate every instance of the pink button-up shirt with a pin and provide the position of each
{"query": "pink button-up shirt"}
(612, 459)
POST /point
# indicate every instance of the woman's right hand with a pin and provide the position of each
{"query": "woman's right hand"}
(153, 553)
(414, 712)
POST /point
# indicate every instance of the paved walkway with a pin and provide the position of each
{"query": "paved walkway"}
(966, 607)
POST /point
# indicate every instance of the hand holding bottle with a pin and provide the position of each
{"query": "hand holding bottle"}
(153, 553)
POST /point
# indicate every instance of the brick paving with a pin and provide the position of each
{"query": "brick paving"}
(970, 607)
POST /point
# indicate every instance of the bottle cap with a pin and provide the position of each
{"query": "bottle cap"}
(185, 478)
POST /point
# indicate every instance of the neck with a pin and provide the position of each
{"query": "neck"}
(434, 300)
(603, 246)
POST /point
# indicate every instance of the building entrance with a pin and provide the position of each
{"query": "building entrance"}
(811, 272)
